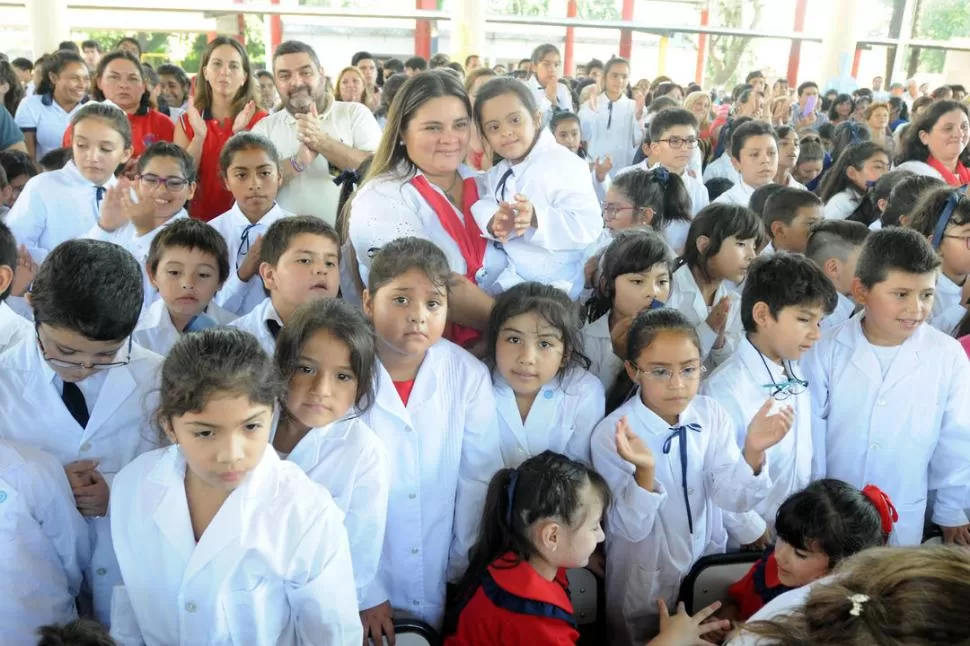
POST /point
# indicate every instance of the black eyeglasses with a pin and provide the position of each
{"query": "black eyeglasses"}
(74, 365)
(680, 142)
(173, 183)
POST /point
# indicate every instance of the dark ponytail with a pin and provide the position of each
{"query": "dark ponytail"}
(659, 190)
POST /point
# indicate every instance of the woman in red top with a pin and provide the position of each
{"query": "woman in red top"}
(817, 528)
(935, 144)
(224, 104)
(539, 520)
(119, 79)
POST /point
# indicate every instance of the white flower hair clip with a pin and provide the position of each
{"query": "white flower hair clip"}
(857, 601)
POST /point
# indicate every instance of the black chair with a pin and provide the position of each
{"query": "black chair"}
(414, 632)
(710, 578)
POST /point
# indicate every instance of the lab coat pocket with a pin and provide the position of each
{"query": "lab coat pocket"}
(644, 586)
(257, 616)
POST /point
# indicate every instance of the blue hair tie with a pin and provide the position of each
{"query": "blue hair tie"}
(510, 493)
(662, 175)
(945, 216)
(853, 129)
(656, 304)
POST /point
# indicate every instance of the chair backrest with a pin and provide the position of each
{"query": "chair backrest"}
(710, 578)
(414, 632)
(584, 592)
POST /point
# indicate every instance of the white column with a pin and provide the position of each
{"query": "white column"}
(467, 29)
(48, 24)
(839, 42)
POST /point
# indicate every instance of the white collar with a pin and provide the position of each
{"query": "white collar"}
(239, 219)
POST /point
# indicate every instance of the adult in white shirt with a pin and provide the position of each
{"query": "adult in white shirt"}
(314, 133)
(45, 115)
(551, 95)
(611, 120)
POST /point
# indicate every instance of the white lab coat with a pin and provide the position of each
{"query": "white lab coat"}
(156, 331)
(686, 296)
(612, 129)
(44, 544)
(240, 234)
(53, 208)
(598, 347)
(561, 419)
(388, 207)
(139, 246)
(722, 167)
(568, 214)
(920, 168)
(741, 385)
(783, 604)
(843, 312)
(699, 197)
(119, 429)
(350, 461)
(13, 327)
(650, 550)
(273, 566)
(739, 194)
(564, 100)
(907, 434)
(841, 205)
(255, 324)
(444, 450)
(948, 307)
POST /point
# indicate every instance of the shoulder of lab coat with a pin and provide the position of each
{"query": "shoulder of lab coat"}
(950, 465)
(587, 400)
(598, 347)
(920, 168)
(841, 205)
(13, 327)
(28, 216)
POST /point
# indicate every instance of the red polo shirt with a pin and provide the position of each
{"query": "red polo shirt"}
(516, 606)
(146, 129)
(759, 586)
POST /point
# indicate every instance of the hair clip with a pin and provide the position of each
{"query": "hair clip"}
(884, 505)
(662, 175)
(857, 601)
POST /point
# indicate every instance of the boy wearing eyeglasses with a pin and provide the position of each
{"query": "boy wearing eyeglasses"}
(79, 388)
(784, 300)
(188, 262)
(133, 212)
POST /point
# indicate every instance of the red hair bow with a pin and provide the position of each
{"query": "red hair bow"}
(887, 512)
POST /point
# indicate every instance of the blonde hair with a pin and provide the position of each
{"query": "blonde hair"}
(887, 596)
(203, 91)
(476, 74)
(693, 98)
(365, 98)
(876, 106)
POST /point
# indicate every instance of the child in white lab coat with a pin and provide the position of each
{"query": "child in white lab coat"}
(217, 536)
(44, 543)
(834, 246)
(133, 213)
(299, 262)
(846, 182)
(655, 198)
(186, 263)
(754, 154)
(250, 167)
(327, 357)
(545, 397)
(943, 216)
(720, 246)
(80, 389)
(13, 326)
(436, 415)
(900, 386)
(673, 464)
(537, 201)
(64, 204)
(612, 121)
(785, 299)
(633, 274)
(789, 215)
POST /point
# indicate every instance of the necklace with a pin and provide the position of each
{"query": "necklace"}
(447, 191)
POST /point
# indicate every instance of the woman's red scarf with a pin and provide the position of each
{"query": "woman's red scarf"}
(466, 235)
(960, 178)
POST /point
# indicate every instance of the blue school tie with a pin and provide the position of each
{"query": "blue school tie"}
(500, 190)
(680, 432)
(244, 244)
(274, 328)
(98, 195)
(609, 122)
(73, 400)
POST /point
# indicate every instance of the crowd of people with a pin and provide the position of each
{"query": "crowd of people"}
(286, 358)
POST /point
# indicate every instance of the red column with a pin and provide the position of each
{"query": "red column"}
(702, 46)
(275, 28)
(855, 62)
(422, 30)
(626, 35)
(567, 64)
(796, 46)
(240, 25)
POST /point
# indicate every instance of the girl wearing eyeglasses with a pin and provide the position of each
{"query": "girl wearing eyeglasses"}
(133, 212)
(784, 301)
(672, 464)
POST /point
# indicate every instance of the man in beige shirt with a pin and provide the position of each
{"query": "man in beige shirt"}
(316, 136)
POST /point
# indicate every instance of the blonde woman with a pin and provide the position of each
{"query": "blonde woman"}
(877, 119)
(350, 87)
(699, 104)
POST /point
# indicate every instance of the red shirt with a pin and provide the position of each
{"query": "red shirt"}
(146, 129)
(759, 586)
(516, 606)
(404, 389)
(212, 198)
(965, 342)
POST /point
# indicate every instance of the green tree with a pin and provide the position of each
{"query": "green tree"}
(597, 10)
(940, 20)
(519, 7)
(725, 52)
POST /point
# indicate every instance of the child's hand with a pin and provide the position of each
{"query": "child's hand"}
(250, 266)
(717, 319)
(631, 448)
(242, 119)
(197, 122)
(114, 213)
(640, 102)
(92, 500)
(619, 335)
(525, 214)
(24, 272)
(603, 166)
(597, 563)
(956, 535)
(594, 95)
(378, 621)
(765, 431)
(552, 90)
(684, 630)
(502, 223)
